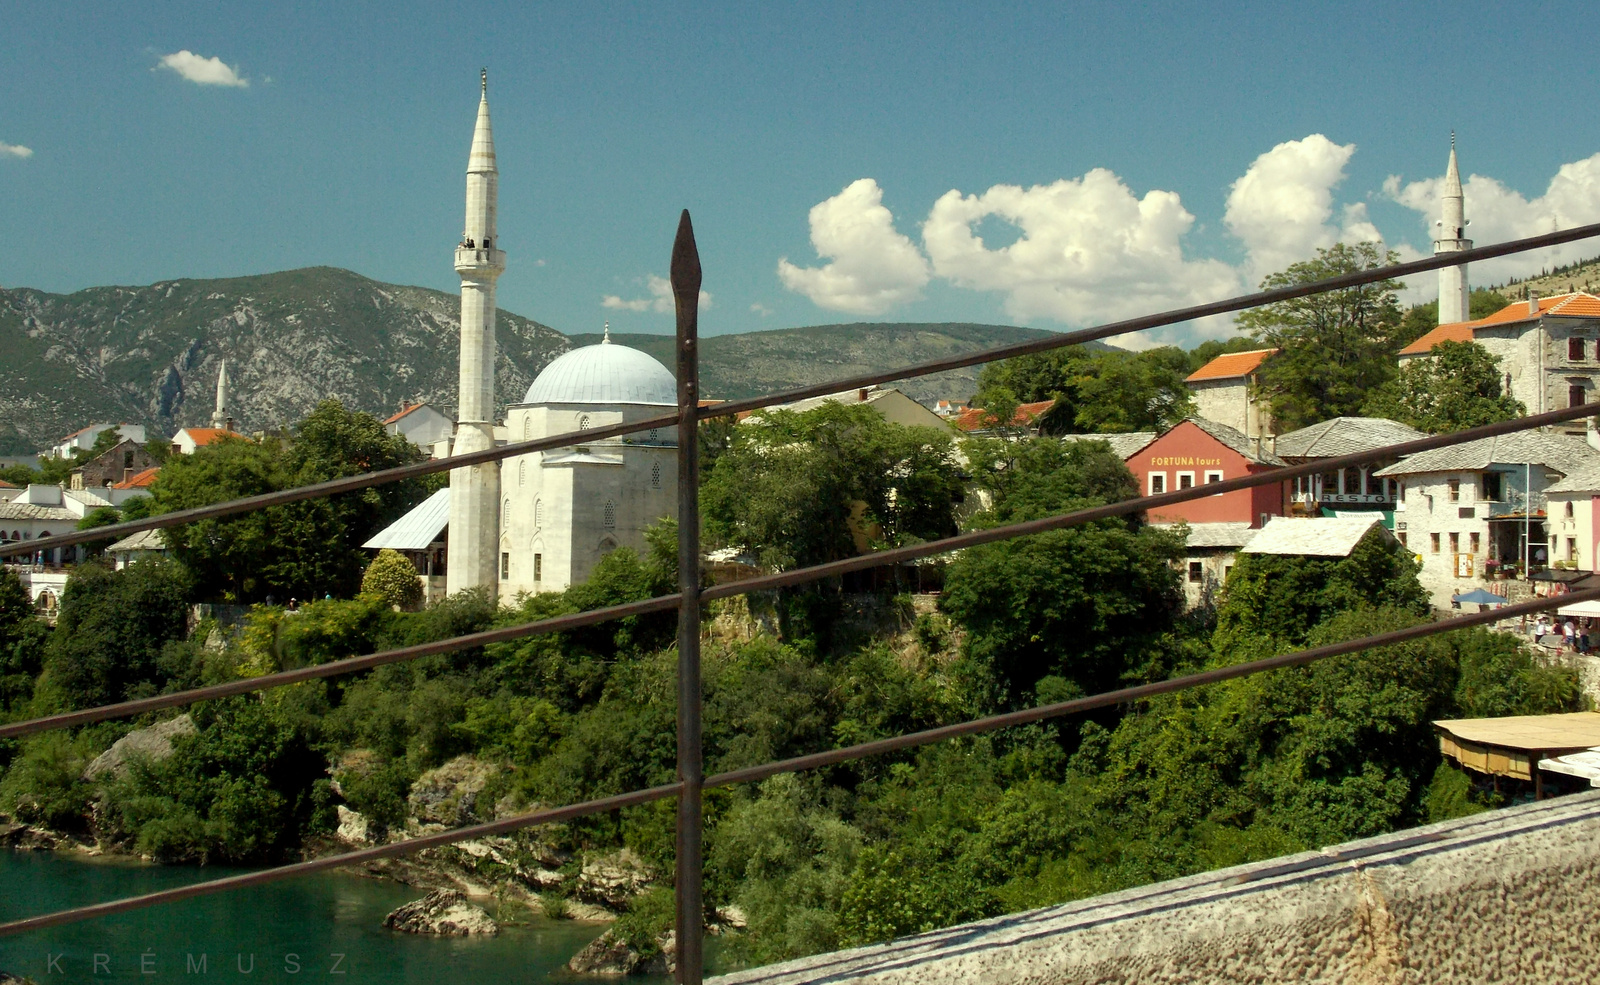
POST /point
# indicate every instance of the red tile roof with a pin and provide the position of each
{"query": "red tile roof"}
(138, 480)
(976, 418)
(205, 436)
(1230, 365)
(6, 485)
(403, 412)
(1574, 305)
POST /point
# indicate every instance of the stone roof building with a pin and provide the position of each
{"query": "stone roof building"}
(1359, 487)
(1224, 391)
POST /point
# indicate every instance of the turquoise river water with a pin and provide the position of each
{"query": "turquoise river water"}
(317, 928)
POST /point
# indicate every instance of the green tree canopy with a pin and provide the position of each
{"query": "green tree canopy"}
(798, 487)
(303, 549)
(1087, 604)
(1094, 391)
(112, 629)
(1457, 387)
(393, 579)
(1337, 346)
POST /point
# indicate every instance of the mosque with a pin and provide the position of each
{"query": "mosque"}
(538, 522)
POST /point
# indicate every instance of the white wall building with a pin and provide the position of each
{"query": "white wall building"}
(1570, 527)
(424, 426)
(1481, 505)
(83, 439)
(1225, 392)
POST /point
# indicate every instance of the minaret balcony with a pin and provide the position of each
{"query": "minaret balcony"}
(480, 261)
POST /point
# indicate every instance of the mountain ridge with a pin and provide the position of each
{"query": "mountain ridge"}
(151, 354)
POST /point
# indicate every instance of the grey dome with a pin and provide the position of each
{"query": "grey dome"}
(604, 374)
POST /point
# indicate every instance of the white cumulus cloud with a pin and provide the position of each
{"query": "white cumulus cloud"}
(1281, 207)
(201, 70)
(872, 266)
(1090, 250)
(14, 150)
(1497, 213)
(660, 298)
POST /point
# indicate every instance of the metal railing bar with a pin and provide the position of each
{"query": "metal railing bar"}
(831, 757)
(782, 579)
(323, 864)
(727, 408)
(1159, 320)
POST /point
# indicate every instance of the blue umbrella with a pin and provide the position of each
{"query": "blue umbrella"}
(1481, 597)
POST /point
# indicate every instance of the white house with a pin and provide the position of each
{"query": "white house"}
(84, 438)
(423, 426)
(1570, 507)
(1473, 508)
(188, 439)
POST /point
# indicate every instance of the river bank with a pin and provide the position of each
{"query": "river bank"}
(318, 925)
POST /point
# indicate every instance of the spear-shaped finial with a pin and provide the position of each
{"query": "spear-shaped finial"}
(606, 338)
(686, 270)
(484, 76)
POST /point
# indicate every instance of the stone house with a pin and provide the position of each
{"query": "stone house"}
(1570, 528)
(1354, 488)
(1475, 510)
(1320, 536)
(423, 426)
(114, 465)
(1225, 391)
(1547, 348)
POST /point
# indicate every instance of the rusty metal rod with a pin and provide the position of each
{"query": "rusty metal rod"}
(687, 913)
(813, 761)
(781, 579)
(1172, 317)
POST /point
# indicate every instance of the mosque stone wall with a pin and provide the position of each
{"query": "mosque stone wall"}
(1508, 896)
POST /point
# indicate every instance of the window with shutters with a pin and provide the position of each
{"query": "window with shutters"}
(538, 567)
(522, 473)
(505, 515)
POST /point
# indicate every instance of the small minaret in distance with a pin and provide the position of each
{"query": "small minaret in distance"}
(474, 551)
(219, 416)
(1453, 291)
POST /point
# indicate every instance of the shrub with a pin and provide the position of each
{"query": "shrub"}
(393, 579)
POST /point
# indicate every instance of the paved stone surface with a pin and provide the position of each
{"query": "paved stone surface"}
(1509, 896)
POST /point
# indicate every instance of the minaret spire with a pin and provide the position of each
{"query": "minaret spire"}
(474, 547)
(1452, 238)
(219, 416)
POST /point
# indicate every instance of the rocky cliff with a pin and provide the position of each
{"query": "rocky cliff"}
(150, 355)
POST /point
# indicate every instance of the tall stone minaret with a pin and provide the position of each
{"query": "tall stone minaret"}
(1453, 291)
(219, 416)
(474, 557)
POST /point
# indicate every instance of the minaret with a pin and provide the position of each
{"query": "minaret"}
(1453, 300)
(219, 416)
(474, 557)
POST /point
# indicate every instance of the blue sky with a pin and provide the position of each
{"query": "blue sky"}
(1140, 155)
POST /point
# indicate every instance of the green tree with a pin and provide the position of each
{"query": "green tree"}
(1273, 601)
(393, 579)
(800, 487)
(302, 549)
(22, 641)
(102, 517)
(1457, 387)
(111, 631)
(1094, 391)
(1088, 603)
(1337, 346)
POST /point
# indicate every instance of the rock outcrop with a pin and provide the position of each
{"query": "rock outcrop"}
(609, 957)
(612, 880)
(153, 743)
(445, 912)
(448, 795)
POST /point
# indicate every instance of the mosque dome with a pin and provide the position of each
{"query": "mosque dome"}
(604, 374)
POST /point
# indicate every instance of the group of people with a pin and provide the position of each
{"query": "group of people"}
(1575, 633)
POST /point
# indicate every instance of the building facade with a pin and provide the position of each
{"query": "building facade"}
(1353, 487)
(1197, 452)
(1225, 391)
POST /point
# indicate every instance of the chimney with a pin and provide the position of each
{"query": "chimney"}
(1533, 303)
(1274, 443)
(1257, 440)
(861, 394)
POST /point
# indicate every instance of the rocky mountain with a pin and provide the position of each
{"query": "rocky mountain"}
(150, 355)
(754, 363)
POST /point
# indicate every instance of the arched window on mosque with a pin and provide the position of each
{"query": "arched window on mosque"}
(527, 426)
(583, 423)
(505, 514)
(655, 476)
(538, 514)
(610, 518)
(522, 473)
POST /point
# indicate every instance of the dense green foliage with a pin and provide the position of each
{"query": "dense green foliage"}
(1095, 391)
(1337, 346)
(1457, 387)
(301, 550)
(804, 488)
(113, 633)
(393, 579)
